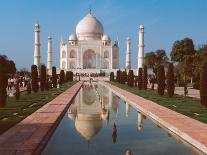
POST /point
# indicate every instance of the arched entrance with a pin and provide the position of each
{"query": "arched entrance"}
(89, 59)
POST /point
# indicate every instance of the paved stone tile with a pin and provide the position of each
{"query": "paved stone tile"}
(33, 132)
(188, 129)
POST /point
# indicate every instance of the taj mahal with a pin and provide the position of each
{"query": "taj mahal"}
(89, 49)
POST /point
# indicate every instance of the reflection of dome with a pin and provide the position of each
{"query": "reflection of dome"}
(89, 96)
(88, 125)
(89, 28)
(72, 37)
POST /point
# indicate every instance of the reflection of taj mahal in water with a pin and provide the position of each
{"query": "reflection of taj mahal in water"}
(90, 110)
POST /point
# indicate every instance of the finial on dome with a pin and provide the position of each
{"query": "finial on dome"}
(90, 10)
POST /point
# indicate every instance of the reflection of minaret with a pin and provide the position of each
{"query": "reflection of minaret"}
(128, 53)
(110, 98)
(127, 109)
(37, 47)
(139, 120)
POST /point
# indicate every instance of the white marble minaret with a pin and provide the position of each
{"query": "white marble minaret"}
(141, 47)
(49, 53)
(128, 53)
(37, 46)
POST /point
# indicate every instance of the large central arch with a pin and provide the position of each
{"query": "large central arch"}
(89, 59)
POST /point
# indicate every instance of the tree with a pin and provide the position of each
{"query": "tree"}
(140, 78)
(161, 80)
(34, 73)
(144, 78)
(130, 78)
(170, 80)
(54, 77)
(124, 74)
(17, 94)
(203, 84)
(150, 60)
(7, 67)
(70, 76)
(67, 76)
(118, 76)
(62, 76)
(43, 76)
(183, 52)
(154, 59)
(29, 89)
(111, 76)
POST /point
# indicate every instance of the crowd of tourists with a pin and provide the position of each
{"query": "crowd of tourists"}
(21, 81)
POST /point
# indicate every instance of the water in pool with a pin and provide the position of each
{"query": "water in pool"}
(100, 123)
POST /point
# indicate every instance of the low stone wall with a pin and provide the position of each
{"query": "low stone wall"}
(32, 134)
(192, 132)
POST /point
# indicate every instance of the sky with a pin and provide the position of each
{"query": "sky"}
(165, 21)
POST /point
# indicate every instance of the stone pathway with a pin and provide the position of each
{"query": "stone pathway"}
(180, 91)
(32, 134)
(191, 131)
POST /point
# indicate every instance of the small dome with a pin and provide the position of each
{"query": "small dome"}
(141, 26)
(106, 37)
(37, 25)
(72, 37)
(89, 28)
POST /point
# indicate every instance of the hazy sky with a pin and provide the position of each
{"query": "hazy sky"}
(165, 21)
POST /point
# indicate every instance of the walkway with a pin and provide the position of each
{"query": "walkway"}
(180, 91)
(31, 135)
(191, 131)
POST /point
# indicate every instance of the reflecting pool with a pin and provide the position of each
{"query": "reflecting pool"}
(99, 123)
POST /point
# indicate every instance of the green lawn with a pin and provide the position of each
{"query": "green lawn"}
(184, 105)
(15, 111)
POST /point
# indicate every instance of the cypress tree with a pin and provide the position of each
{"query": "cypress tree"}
(17, 94)
(124, 76)
(70, 76)
(118, 76)
(144, 78)
(130, 79)
(34, 72)
(135, 81)
(54, 77)
(62, 76)
(161, 80)
(47, 85)
(43, 75)
(170, 80)
(67, 76)
(140, 78)
(29, 88)
(111, 76)
(203, 83)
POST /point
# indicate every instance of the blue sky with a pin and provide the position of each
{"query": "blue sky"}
(165, 21)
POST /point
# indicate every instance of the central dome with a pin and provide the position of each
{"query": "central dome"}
(89, 28)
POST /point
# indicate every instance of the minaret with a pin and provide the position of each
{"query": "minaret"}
(49, 53)
(37, 46)
(141, 47)
(128, 53)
